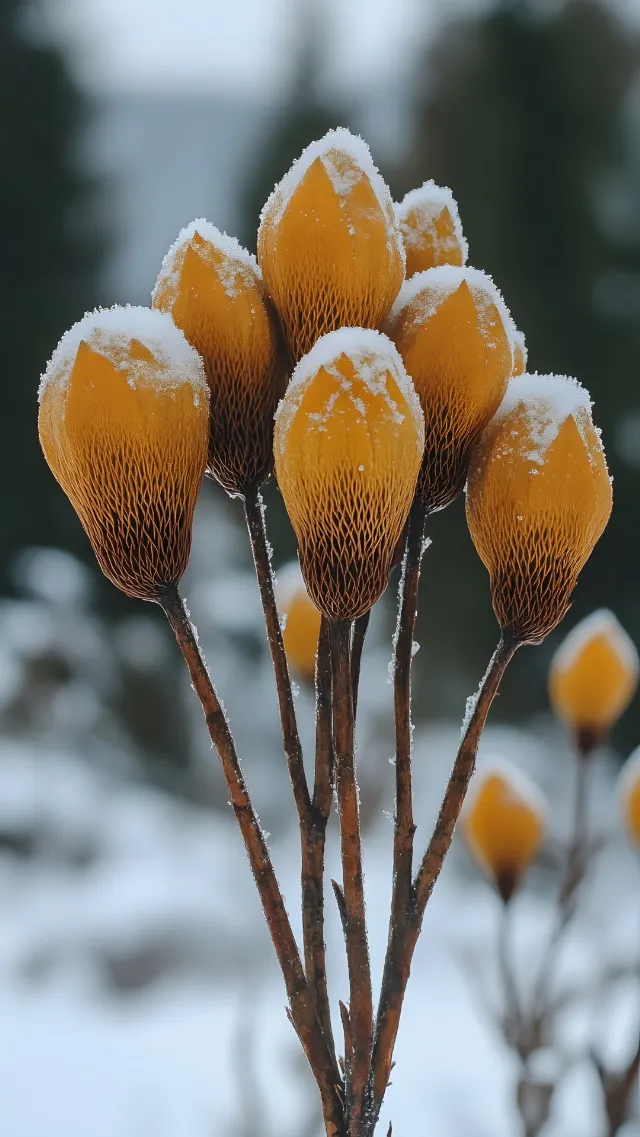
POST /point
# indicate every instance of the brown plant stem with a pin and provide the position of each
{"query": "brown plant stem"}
(392, 995)
(360, 628)
(313, 843)
(617, 1095)
(253, 506)
(360, 994)
(404, 827)
(302, 1009)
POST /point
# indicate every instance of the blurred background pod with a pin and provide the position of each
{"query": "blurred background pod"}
(431, 228)
(328, 243)
(593, 678)
(348, 444)
(213, 290)
(454, 334)
(123, 424)
(301, 621)
(538, 499)
(503, 823)
(629, 796)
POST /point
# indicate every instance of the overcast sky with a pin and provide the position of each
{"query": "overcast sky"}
(242, 45)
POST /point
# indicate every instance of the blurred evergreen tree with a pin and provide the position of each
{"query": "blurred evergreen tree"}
(305, 114)
(51, 252)
(520, 111)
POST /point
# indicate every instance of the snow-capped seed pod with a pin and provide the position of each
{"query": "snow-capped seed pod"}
(593, 677)
(629, 795)
(520, 353)
(453, 332)
(504, 822)
(302, 621)
(348, 444)
(538, 499)
(123, 423)
(328, 243)
(431, 230)
(213, 289)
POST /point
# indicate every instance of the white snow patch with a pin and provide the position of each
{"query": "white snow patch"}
(435, 285)
(427, 203)
(238, 270)
(346, 159)
(110, 332)
(373, 356)
(548, 400)
(600, 623)
(519, 788)
(519, 341)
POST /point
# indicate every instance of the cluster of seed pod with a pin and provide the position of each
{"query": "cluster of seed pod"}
(399, 390)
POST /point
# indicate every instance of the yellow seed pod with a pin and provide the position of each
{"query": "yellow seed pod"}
(453, 332)
(328, 243)
(538, 499)
(348, 444)
(302, 622)
(629, 795)
(124, 408)
(520, 353)
(431, 231)
(504, 823)
(213, 289)
(593, 676)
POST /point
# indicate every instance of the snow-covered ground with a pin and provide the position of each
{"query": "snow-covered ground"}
(139, 993)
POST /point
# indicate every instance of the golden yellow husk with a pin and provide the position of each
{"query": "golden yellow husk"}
(328, 243)
(123, 425)
(214, 291)
(538, 499)
(504, 824)
(431, 231)
(348, 444)
(593, 675)
(453, 333)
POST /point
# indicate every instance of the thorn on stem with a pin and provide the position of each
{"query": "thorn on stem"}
(342, 907)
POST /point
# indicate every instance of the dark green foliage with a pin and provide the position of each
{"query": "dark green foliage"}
(50, 252)
(522, 117)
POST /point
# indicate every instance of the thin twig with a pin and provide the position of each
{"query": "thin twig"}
(573, 872)
(360, 628)
(404, 828)
(512, 1018)
(390, 1007)
(313, 842)
(301, 1004)
(617, 1094)
(360, 995)
(254, 508)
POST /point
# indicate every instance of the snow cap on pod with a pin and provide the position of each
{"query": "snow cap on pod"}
(328, 243)
(213, 290)
(123, 423)
(538, 499)
(348, 444)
